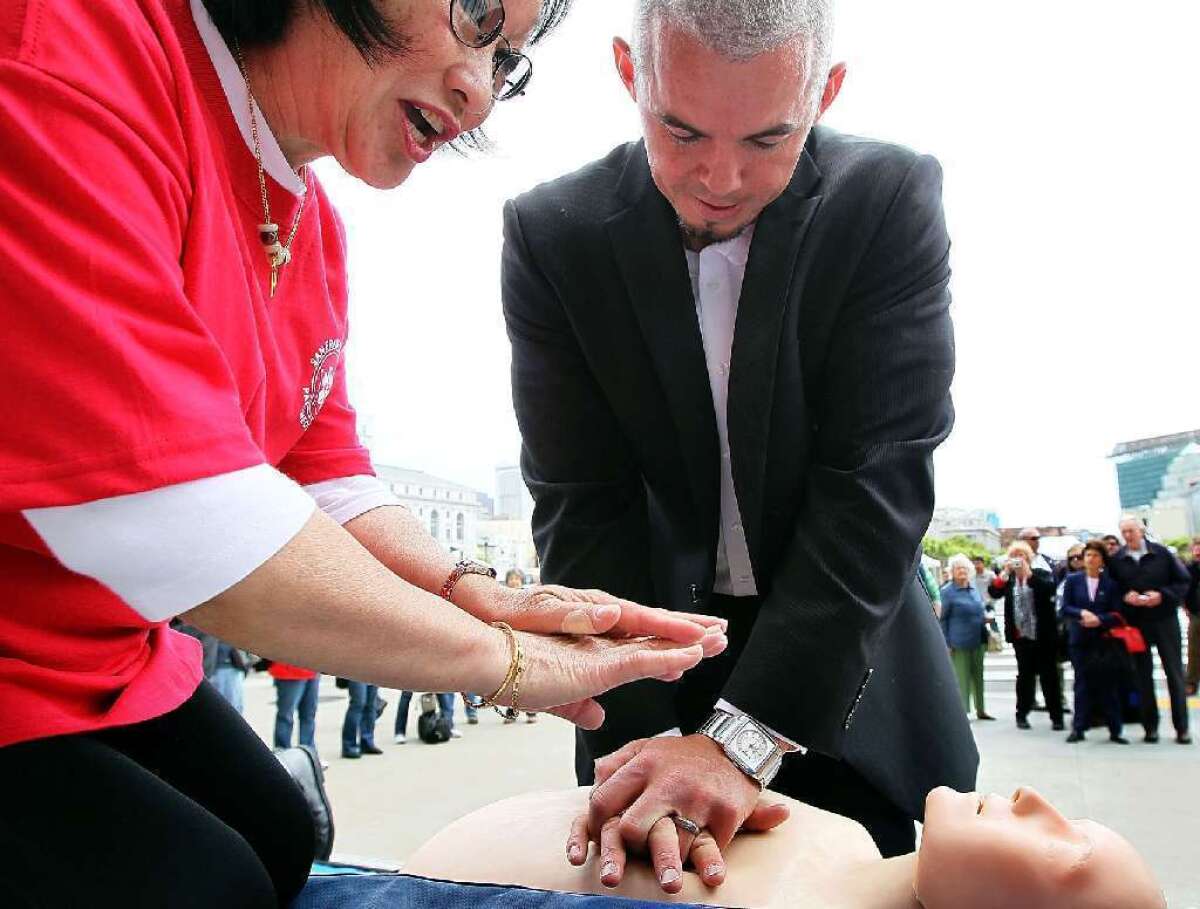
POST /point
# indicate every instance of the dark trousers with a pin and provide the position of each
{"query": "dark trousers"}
(1038, 661)
(186, 810)
(1166, 636)
(813, 778)
(1094, 689)
(358, 728)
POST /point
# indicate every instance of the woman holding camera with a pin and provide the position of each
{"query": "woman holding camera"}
(1031, 626)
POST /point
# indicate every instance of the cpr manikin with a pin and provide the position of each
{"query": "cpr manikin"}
(984, 852)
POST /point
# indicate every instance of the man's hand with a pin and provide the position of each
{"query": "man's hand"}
(640, 786)
(1088, 619)
(1133, 598)
(1153, 598)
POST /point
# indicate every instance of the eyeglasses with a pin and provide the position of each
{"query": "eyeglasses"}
(1070, 557)
(478, 23)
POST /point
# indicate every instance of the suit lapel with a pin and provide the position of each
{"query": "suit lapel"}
(649, 254)
(766, 292)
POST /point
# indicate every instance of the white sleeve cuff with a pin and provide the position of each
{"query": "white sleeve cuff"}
(168, 550)
(670, 732)
(729, 708)
(351, 497)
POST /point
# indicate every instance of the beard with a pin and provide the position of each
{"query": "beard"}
(696, 238)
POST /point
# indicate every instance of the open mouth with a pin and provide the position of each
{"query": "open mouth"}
(426, 127)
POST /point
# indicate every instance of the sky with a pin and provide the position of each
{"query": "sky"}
(1069, 137)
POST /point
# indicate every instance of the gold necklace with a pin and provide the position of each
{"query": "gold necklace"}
(278, 254)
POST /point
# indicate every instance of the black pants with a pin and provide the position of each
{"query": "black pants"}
(1166, 636)
(813, 778)
(1095, 687)
(189, 809)
(1038, 661)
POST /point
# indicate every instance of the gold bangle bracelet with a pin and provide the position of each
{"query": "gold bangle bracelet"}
(512, 711)
(514, 668)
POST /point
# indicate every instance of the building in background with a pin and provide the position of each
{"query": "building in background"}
(513, 501)
(976, 524)
(1158, 479)
(506, 538)
(452, 513)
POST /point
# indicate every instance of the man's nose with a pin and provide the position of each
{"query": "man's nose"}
(722, 175)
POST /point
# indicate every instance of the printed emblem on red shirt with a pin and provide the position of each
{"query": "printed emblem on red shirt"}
(325, 364)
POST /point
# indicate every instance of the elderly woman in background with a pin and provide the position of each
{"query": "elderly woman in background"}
(964, 619)
(1031, 626)
(175, 317)
(1091, 604)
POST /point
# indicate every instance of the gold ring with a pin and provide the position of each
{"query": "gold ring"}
(684, 823)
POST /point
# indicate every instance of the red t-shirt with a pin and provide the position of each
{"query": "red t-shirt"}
(141, 347)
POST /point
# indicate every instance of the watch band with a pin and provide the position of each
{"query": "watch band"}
(725, 729)
(463, 568)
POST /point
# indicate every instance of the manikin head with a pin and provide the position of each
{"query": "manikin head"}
(728, 91)
(1133, 531)
(989, 852)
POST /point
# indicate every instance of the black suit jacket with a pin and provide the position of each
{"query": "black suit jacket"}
(838, 394)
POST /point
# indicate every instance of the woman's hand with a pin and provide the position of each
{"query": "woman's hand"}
(563, 674)
(550, 609)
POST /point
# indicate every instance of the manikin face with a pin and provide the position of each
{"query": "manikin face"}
(723, 137)
(1131, 532)
(995, 853)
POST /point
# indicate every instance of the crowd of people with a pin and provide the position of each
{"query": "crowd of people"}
(1107, 609)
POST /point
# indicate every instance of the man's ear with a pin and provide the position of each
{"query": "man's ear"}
(623, 58)
(833, 86)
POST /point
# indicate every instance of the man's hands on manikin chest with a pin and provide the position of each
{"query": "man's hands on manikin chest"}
(639, 789)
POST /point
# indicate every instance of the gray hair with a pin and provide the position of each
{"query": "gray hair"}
(960, 559)
(742, 29)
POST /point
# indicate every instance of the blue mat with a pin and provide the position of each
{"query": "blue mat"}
(398, 891)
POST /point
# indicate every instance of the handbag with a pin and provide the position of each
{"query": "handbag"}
(993, 640)
(1105, 656)
(1131, 637)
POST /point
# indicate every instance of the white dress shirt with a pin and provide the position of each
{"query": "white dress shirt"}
(717, 272)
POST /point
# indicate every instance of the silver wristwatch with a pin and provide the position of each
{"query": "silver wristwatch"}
(746, 743)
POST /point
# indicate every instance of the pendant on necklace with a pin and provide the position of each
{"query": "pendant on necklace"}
(278, 255)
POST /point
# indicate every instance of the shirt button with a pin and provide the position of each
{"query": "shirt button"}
(737, 528)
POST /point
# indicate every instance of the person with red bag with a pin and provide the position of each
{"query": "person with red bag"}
(1091, 604)
(1153, 585)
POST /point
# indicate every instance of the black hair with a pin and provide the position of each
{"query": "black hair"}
(261, 23)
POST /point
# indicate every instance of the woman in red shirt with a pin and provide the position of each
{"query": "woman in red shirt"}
(179, 441)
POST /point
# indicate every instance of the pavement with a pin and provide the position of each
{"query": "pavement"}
(385, 806)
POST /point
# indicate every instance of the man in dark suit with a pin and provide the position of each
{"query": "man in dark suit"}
(732, 356)
(1154, 584)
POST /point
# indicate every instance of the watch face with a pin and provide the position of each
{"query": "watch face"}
(753, 748)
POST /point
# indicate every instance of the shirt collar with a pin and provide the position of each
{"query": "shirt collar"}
(273, 160)
(735, 250)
